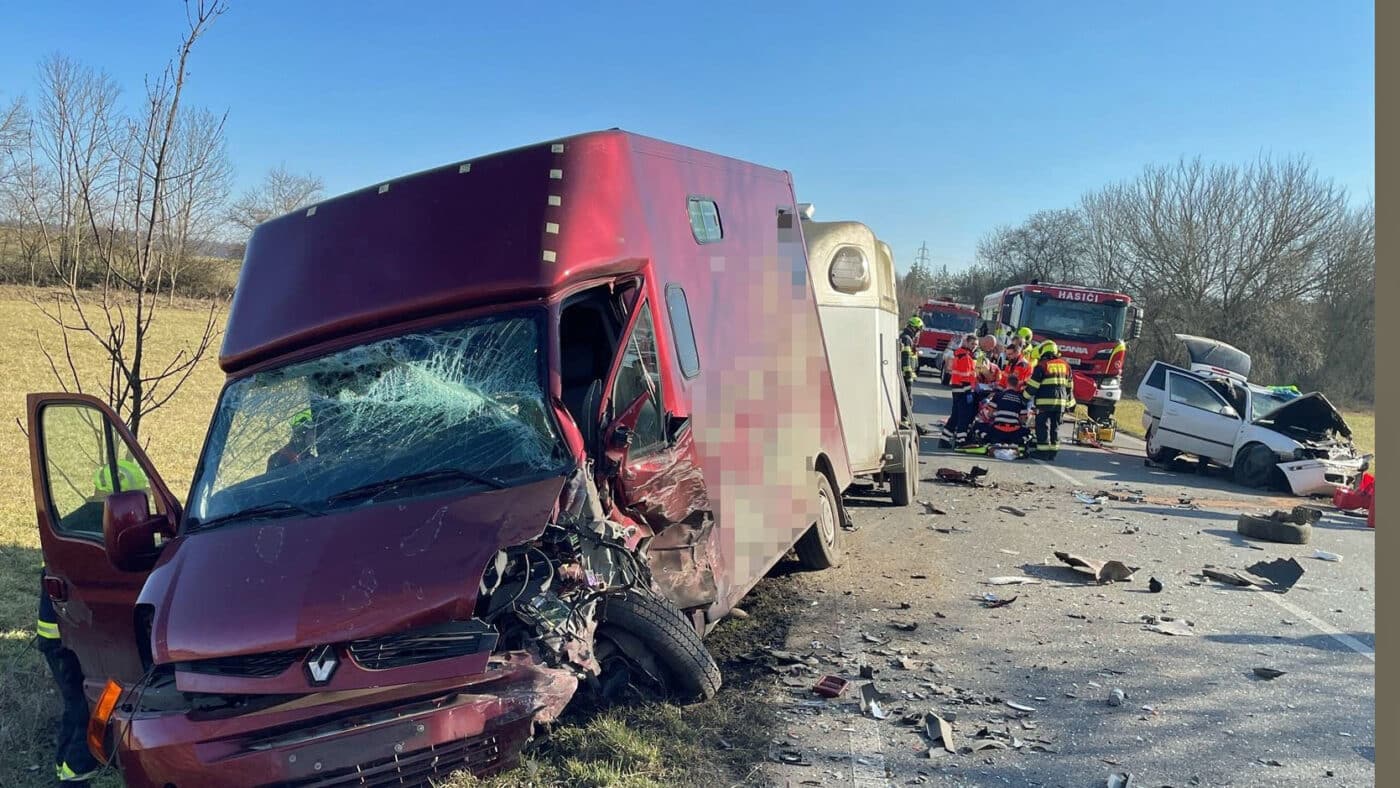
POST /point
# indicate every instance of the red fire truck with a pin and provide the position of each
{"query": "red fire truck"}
(1088, 324)
(944, 321)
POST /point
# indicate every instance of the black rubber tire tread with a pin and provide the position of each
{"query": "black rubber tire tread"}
(1271, 530)
(1163, 456)
(905, 486)
(812, 551)
(1250, 471)
(693, 674)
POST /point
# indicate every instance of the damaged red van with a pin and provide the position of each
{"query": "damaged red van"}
(492, 434)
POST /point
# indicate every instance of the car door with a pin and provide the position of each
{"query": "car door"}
(80, 452)
(1197, 420)
(658, 470)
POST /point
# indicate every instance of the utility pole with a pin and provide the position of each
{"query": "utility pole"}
(922, 258)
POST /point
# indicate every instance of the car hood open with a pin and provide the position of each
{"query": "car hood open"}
(281, 584)
(1311, 414)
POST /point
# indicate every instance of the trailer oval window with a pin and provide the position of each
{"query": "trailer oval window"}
(686, 352)
(704, 220)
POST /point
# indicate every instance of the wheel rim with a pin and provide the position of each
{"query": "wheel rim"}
(1152, 448)
(826, 519)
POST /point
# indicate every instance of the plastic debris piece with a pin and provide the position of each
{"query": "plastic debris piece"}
(1012, 510)
(929, 508)
(1268, 674)
(938, 729)
(870, 698)
(1116, 697)
(1086, 499)
(1019, 707)
(1119, 780)
(993, 601)
(1154, 585)
(831, 686)
(1102, 571)
(1283, 573)
(1326, 556)
(905, 626)
(1230, 578)
(1177, 628)
(1011, 580)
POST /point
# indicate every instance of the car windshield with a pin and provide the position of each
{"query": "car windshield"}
(454, 406)
(1265, 401)
(949, 321)
(1080, 320)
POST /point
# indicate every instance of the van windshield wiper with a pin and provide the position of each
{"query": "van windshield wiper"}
(367, 491)
(270, 509)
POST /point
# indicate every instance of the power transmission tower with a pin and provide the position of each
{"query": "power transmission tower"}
(923, 255)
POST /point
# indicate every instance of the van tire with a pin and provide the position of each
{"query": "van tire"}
(1271, 530)
(1255, 466)
(820, 546)
(1159, 454)
(691, 672)
(904, 486)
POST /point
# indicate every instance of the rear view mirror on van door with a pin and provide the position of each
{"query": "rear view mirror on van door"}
(129, 531)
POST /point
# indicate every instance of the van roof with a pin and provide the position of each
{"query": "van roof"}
(512, 226)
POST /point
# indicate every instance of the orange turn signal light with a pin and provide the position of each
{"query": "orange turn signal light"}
(101, 715)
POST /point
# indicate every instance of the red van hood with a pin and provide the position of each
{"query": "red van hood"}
(288, 583)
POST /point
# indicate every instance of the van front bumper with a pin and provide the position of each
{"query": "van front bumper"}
(397, 736)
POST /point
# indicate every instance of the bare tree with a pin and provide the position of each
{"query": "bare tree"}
(123, 195)
(1048, 246)
(280, 192)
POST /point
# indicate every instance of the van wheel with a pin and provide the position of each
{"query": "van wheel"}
(904, 486)
(820, 547)
(1156, 452)
(646, 645)
(1255, 466)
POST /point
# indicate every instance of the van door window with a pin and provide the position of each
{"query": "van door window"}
(687, 354)
(82, 466)
(640, 373)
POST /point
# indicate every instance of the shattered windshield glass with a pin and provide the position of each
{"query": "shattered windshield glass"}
(1263, 402)
(413, 414)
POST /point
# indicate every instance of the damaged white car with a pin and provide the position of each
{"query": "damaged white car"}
(1271, 437)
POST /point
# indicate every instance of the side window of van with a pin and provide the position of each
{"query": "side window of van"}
(684, 332)
(704, 220)
(640, 373)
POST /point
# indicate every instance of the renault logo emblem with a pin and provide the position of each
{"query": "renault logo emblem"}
(320, 665)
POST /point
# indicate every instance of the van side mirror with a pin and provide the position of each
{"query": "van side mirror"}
(129, 531)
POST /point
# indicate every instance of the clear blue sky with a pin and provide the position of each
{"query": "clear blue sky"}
(930, 121)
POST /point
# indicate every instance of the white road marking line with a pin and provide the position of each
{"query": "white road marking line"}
(1321, 626)
(1061, 473)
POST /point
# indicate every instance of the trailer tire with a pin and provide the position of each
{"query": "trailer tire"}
(1256, 466)
(1271, 530)
(648, 621)
(820, 546)
(904, 486)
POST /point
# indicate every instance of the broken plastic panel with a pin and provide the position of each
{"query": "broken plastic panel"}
(449, 406)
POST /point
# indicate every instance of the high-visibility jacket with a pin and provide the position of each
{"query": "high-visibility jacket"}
(1008, 406)
(47, 625)
(129, 477)
(1021, 368)
(1051, 384)
(962, 372)
(908, 354)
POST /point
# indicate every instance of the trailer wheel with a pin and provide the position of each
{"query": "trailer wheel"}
(1156, 452)
(820, 546)
(904, 486)
(1255, 466)
(643, 641)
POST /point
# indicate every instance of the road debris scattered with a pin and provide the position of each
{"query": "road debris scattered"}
(938, 730)
(1112, 571)
(1087, 499)
(1012, 510)
(905, 626)
(1154, 585)
(1119, 780)
(1229, 578)
(1283, 573)
(1285, 527)
(929, 508)
(1175, 627)
(1020, 706)
(992, 600)
(968, 478)
(1116, 696)
(1326, 556)
(1268, 674)
(870, 698)
(1011, 580)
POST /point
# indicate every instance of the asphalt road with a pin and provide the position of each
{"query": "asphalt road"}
(1194, 711)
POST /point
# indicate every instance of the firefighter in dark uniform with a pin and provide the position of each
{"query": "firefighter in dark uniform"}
(1051, 388)
(74, 764)
(909, 366)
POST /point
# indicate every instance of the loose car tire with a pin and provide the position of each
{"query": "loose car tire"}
(1155, 453)
(1255, 466)
(820, 547)
(1272, 530)
(904, 486)
(691, 672)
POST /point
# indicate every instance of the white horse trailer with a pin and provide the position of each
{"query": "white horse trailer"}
(853, 274)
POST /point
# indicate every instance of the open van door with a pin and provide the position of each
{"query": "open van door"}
(93, 492)
(657, 465)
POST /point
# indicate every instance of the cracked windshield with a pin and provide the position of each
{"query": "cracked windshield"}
(414, 414)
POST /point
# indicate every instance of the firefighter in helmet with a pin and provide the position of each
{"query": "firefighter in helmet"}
(909, 364)
(1051, 389)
